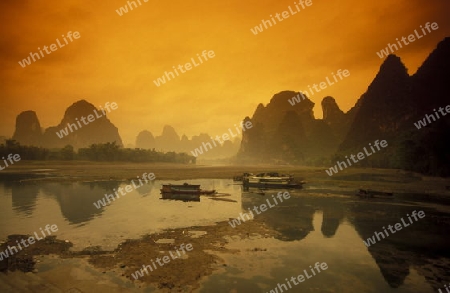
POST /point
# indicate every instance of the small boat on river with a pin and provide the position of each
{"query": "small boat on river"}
(185, 189)
(367, 193)
(271, 180)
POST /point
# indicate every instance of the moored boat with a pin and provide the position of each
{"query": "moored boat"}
(185, 189)
(271, 180)
(367, 193)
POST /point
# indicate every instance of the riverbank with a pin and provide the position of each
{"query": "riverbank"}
(219, 247)
(391, 180)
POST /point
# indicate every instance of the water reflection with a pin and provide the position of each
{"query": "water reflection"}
(294, 218)
(182, 197)
(146, 189)
(419, 245)
(416, 250)
(75, 199)
(333, 215)
(70, 205)
(24, 197)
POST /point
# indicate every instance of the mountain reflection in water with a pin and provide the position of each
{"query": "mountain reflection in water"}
(26, 206)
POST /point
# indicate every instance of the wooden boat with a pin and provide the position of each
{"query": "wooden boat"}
(180, 188)
(207, 192)
(271, 180)
(373, 193)
(238, 178)
(185, 189)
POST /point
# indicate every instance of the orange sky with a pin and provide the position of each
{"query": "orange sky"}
(117, 57)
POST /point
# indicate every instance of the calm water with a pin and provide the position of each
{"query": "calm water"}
(26, 207)
(312, 226)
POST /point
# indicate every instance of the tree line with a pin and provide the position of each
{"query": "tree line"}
(102, 152)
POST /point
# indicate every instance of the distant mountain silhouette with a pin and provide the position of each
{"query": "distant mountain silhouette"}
(170, 141)
(335, 118)
(145, 140)
(287, 132)
(101, 130)
(290, 133)
(384, 107)
(393, 103)
(28, 129)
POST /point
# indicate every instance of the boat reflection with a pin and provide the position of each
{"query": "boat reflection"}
(180, 196)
